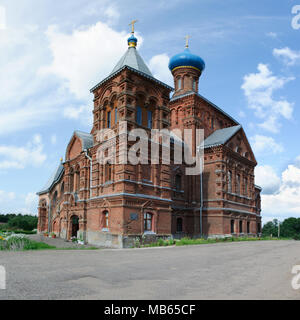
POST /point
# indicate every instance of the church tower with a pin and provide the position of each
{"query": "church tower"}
(186, 69)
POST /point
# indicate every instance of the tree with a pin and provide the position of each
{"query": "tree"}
(27, 223)
(270, 228)
(290, 228)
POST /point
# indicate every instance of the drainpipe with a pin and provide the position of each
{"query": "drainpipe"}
(201, 193)
(201, 196)
(49, 216)
(91, 170)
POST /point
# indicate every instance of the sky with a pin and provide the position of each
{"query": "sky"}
(52, 52)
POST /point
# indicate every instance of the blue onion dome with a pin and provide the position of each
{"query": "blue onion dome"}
(186, 59)
(132, 41)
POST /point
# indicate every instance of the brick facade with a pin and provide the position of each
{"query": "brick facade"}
(113, 205)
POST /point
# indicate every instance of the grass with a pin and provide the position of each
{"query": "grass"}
(23, 244)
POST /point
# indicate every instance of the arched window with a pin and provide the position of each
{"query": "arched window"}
(105, 223)
(114, 110)
(241, 226)
(75, 226)
(72, 180)
(146, 172)
(179, 83)
(179, 225)
(139, 115)
(62, 189)
(178, 182)
(108, 172)
(108, 123)
(229, 181)
(194, 84)
(246, 186)
(54, 200)
(232, 226)
(150, 115)
(77, 179)
(238, 184)
(148, 222)
(212, 124)
(116, 115)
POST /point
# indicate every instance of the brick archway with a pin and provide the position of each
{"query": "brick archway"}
(73, 226)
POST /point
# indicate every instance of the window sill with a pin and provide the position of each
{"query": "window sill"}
(149, 232)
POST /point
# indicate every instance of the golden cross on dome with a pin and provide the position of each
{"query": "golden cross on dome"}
(132, 23)
(187, 37)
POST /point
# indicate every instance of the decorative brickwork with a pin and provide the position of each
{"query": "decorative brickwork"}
(115, 204)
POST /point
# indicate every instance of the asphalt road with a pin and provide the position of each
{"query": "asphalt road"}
(245, 270)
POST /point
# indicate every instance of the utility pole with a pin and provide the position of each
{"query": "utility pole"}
(278, 229)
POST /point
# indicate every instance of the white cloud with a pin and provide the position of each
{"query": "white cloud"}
(289, 56)
(259, 89)
(286, 201)
(266, 177)
(15, 157)
(83, 113)
(112, 14)
(27, 100)
(31, 203)
(84, 57)
(263, 145)
(159, 68)
(27, 204)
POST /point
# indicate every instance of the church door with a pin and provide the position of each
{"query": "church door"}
(75, 226)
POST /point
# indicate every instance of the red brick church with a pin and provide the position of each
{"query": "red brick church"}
(113, 205)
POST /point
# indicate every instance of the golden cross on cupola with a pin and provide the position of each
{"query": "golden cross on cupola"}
(187, 37)
(132, 23)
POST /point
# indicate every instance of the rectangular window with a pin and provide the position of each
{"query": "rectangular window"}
(139, 115)
(150, 119)
(147, 222)
(246, 186)
(108, 119)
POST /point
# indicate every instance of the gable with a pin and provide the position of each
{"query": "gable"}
(74, 148)
(240, 144)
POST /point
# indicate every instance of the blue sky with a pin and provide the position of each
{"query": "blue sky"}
(53, 52)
